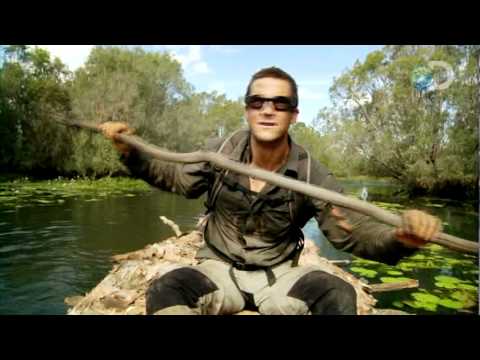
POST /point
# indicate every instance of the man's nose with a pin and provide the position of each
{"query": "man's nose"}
(268, 107)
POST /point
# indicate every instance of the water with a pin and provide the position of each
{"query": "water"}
(51, 251)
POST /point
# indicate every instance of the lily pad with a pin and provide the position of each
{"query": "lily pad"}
(421, 305)
(467, 287)
(466, 298)
(451, 304)
(388, 280)
(453, 262)
(394, 272)
(423, 300)
(364, 272)
(450, 282)
(359, 261)
(425, 297)
(398, 304)
(406, 266)
(434, 247)
(418, 257)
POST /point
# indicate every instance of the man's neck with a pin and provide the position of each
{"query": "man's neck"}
(269, 155)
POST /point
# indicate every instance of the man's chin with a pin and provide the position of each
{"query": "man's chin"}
(266, 136)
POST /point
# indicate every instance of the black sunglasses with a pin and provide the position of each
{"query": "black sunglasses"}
(280, 103)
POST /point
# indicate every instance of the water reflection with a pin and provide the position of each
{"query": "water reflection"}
(50, 252)
(53, 251)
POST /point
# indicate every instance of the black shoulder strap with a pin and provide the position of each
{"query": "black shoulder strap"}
(217, 184)
(303, 175)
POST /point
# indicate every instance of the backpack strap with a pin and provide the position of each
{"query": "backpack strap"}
(296, 199)
(304, 175)
(217, 184)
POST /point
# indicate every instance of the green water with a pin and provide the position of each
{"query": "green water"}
(55, 244)
(448, 280)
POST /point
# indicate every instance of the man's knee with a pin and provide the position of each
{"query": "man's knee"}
(184, 286)
(325, 294)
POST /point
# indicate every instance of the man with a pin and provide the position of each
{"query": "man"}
(253, 232)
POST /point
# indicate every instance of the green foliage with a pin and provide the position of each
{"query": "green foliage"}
(379, 125)
(33, 94)
(384, 127)
(145, 89)
(23, 192)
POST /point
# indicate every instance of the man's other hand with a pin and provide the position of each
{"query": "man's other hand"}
(112, 128)
(417, 228)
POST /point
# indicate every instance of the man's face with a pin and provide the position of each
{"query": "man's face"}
(268, 124)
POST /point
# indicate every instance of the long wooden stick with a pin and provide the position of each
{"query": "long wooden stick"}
(449, 241)
(408, 284)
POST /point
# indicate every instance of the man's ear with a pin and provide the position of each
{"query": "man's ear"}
(293, 120)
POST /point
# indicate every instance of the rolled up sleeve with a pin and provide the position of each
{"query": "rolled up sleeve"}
(364, 236)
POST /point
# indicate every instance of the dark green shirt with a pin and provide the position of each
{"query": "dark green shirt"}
(257, 228)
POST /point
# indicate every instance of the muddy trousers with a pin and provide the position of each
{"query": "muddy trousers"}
(216, 288)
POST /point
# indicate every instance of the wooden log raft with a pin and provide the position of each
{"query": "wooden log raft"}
(122, 291)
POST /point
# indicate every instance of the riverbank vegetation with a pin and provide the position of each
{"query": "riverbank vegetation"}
(379, 124)
(18, 192)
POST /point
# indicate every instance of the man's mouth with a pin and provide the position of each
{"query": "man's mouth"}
(267, 123)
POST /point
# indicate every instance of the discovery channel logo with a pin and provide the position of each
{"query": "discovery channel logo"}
(423, 80)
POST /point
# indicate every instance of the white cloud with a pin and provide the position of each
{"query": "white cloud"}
(225, 49)
(307, 94)
(190, 56)
(200, 68)
(73, 56)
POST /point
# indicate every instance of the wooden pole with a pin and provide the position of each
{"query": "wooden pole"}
(449, 241)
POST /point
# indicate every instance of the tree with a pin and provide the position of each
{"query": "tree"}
(128, 85)
(419, 138)
(33, 94)
(148, 91)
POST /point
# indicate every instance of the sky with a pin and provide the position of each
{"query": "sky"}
(227, 68)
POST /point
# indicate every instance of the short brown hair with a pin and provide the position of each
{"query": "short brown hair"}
(276, 73)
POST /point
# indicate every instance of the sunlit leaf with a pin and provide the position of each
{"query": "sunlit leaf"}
(394, 272)
(451, 304)
(388, 280)
(364, 272)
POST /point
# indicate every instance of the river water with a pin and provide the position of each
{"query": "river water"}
(52, 250)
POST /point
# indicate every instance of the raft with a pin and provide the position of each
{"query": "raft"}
(122, 291)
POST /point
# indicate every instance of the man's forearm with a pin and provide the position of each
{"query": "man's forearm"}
(155, 172)
(365, 237)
